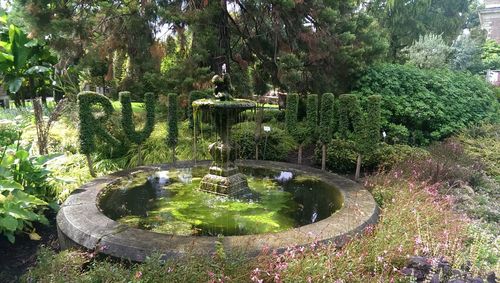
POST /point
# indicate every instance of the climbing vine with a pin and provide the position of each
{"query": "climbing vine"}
(137, 137)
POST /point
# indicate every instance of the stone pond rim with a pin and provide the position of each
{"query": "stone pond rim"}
(80, 223)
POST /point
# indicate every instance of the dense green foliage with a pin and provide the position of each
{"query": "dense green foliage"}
(350, 116)
(491, 55)
(405, 21)
(25, 64)
(173, 130)
(137, 137)
(431, 104)
(25, 193)
(275, 146)
(90, 125)
(429, 51)
(327, 121)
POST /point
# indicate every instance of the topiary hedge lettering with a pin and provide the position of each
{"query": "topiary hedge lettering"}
(92, 126)
(137, 137)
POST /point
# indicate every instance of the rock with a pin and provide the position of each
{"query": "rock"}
(476, 280)
(491, 278)
(457, 281)
(435, 279)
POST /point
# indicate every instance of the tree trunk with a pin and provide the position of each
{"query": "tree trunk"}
(256, 151)
(173, 155)
(299, 157)
(358, 168)
(139, 155)
(91, 165)
(41, 131)
(323, 156)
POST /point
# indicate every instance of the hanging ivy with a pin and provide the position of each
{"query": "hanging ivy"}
(173, 131)
(137, 137)
(327, 124)
(92, 124)
(194, 95)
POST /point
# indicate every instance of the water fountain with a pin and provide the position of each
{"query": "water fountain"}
(223, 177)
(184, 208)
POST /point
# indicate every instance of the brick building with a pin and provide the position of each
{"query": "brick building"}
(490, 19)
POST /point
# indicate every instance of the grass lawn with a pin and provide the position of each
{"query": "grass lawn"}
(137, 107)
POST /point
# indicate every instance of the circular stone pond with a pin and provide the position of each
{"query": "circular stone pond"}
(134, 213)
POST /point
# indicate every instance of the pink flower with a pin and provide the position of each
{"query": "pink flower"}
(138, 275)
(418, 240)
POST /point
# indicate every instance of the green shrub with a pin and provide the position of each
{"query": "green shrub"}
(8, 134)
(397, 134)
(18, 209)
(25, 193)
(278, 144)
(431, 104)
(342, 154)
(482, 141)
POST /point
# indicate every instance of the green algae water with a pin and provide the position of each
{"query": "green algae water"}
(170, 202)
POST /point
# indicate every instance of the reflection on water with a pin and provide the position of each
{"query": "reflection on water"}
(170, 202)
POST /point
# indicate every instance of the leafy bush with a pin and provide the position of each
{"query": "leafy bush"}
(8, 134)
(482, 142)
(429, 51)
(18, 209)
(431, 104)
(276, 147)
(342, 155)
(24, 193)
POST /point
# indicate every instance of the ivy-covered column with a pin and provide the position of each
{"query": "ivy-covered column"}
(311, 124)
(291, 122)
(362, 127)
(173, 130)
(92, 126)
(137, 137)
(327, 124)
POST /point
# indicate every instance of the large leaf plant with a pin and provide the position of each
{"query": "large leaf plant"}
(22, 60)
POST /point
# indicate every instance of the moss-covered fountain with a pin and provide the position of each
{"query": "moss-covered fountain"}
(192, 207)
